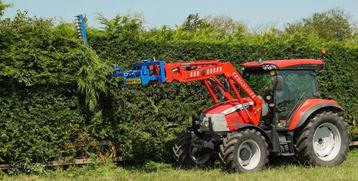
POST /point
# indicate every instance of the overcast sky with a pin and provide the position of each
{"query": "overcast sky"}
(255, 13)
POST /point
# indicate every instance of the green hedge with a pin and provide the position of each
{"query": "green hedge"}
(54, 92)
(49, 84)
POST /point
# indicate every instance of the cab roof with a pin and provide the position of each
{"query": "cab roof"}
(309, 64)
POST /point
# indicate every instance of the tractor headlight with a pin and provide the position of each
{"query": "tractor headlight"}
(213, 122)
(204, 122)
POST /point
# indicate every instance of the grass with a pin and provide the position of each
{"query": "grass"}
(278, 170)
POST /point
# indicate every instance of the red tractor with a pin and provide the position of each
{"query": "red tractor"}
(273, 107)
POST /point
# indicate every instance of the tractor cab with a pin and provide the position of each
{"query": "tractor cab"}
(283, 85)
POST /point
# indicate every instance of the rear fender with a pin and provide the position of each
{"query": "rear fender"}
(309, 107)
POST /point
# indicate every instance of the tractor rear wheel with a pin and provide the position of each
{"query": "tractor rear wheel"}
(188, 155)
(244, 151)
(324, 141)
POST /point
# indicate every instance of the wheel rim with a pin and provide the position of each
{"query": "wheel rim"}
(199, 155)
(326, 141)
(249, 154)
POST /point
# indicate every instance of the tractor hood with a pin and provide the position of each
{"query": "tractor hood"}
(223, 116)
(227, 107)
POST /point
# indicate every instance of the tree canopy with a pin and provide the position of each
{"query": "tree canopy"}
(330, 25)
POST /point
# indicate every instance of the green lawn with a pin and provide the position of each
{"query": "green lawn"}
(154, 171)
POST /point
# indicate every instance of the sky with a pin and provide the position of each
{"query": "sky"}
(255, 13)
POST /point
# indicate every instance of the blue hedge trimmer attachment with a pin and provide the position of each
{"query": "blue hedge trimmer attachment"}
(143, 73)
(81, 28)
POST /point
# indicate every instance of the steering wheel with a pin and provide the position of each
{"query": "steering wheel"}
(282, 106)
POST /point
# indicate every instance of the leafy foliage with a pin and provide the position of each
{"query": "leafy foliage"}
(49, 84)
(3, 6)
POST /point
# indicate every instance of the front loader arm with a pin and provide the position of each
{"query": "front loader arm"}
(149, 72)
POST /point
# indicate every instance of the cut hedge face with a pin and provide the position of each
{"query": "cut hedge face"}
(49, 87)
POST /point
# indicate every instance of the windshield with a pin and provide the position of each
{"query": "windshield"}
(260, 81)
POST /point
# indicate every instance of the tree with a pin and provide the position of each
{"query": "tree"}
(3, 6)
(128, 26)
(333, 24)
(193, 22)
(225, 26)
(211, 28)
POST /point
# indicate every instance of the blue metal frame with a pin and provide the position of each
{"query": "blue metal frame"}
(141, 73)
(81, 27)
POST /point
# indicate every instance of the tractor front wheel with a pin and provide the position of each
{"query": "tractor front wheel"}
(324, 141)
(188, 155)
(244, 151)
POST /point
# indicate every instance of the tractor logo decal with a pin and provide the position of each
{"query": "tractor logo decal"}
(239, 106)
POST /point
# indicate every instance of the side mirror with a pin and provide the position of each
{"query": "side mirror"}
(278, 82)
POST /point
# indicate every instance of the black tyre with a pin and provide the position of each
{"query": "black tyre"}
(244, 151)
(187, 155)
(323, 141)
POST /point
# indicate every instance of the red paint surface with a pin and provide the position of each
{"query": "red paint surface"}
(283, 63)
(305, 106)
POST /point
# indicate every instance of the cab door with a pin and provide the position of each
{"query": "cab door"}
(296, 86)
